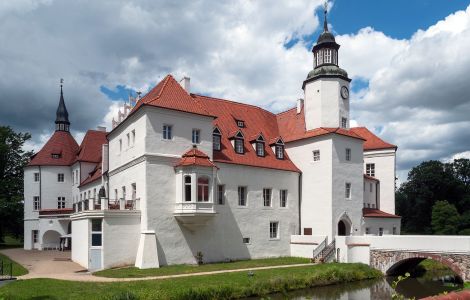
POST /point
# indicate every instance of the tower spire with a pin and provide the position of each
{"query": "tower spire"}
(62, 116)
(325, 21)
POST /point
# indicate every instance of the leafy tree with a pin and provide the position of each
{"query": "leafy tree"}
(13, 159)
(445, 218)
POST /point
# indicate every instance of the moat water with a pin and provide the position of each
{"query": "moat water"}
(429, 284)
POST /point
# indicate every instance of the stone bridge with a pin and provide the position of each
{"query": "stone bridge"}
(398, 262)
(396, 254)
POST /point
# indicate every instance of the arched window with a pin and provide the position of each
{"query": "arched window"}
(216, 139)
(203, 189)
(187, 188)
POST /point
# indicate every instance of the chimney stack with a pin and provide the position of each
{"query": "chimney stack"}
(101, 128)
(185, 83)
(300, 104)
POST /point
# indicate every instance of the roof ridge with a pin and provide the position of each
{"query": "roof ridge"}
(285, 111)
(234, 102)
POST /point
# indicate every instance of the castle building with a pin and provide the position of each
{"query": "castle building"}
(183, 176)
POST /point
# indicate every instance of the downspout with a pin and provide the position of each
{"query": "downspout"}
(377, 185)
(40, 188)
(300, 203)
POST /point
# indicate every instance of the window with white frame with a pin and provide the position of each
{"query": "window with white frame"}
(239, 146)
(327, 56)
(348, 154)
(196, 136)
(246, 240)
(347, 192)
(216, 139)
(36, 203)
(240, 123)
(35, 236)
(187, 188)
(267, 197)
(60, 177)
(242, 196)
(370, 170)
(316, 155)
(36, 177)
(274, 230)
(344, 122)
(283, 198)
(203, 189)
(279, 151)
(221, 194)
(167, 132)
(96, 232)
(260, 149)
(60, 202)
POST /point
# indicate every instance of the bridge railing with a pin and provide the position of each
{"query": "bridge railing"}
(6, 270)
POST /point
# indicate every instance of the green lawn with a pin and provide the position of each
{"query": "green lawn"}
(18, 269)
(218, 286)
(187, 269)
(10, 242)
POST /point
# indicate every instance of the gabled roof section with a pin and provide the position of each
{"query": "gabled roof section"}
(372, 142)
(376, 213)
(236, 134)
(93, 175)
(257, 138)
(195, 157)
(169, 94)
(256, 120)
(62, 143)
(91, 147)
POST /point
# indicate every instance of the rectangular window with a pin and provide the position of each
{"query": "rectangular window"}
(246, 240)
(35, 235)
(370, 169)
(120, 145)
(267, 197)
(259, 149)
(316, 155)
(242, 195)
(60, 177)
(348, 154)
(367, 230)
(274, 230)
(36, 177)
(60, 202)
(167, 132)
(196, 136)
(283, 198)
(347, 193)
(307, 231)
(203, 189)
(96, 232)
(240, 124)
(36, 203)
(327, 56)
(133, 137)
(216, 142)
(381, 231)
(239, 146)
(344, 122)
(279, 152)
(187, 188)
(221, 194)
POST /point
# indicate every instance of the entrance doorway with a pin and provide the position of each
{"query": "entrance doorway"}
(343, 228)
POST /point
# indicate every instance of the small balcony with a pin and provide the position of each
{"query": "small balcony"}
(56, 213)
(193, 214)
(106, 204)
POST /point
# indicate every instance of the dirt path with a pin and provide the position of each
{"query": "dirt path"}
(56, 265)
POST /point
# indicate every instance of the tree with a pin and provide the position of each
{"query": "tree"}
(13, 159)
(445, 218)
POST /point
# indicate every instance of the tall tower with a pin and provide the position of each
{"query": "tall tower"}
(326, 88)
(62, 116)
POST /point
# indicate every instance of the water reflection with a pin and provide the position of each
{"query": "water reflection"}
(376, 289)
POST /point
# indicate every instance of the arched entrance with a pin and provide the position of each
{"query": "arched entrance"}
(344, 228)
(51, 240)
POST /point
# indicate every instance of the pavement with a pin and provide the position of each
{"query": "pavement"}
(57, 265)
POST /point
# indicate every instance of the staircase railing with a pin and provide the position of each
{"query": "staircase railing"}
(324, 251)
(318, 250)
(329, 251)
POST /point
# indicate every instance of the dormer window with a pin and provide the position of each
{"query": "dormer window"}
(239, 146)
(216, 139)
(280, 151)
(260, 149)
(241, 123)
(55, 155)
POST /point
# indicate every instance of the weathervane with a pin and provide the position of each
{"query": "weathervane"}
(325, 22)
(61, 82)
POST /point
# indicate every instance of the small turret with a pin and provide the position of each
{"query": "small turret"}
(62, 116)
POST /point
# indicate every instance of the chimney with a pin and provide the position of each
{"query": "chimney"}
(300, 104)
(185, 83)
(101, 128)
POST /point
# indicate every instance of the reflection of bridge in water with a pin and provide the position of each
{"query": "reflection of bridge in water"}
(395, 254)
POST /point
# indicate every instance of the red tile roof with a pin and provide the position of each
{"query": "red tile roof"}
(372, 142)
(376, 213)
(292, 127)
(91, 147)
(370, 177)
(61, 143)
(257, 120)
(195, 157)
(169, 94)
(93, 175)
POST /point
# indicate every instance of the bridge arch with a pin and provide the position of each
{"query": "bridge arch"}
(398, 262)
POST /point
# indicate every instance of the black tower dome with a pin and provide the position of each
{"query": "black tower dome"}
(62, 116)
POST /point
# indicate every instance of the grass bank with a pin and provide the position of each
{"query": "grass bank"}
(18, 269)
(132, 272)
(11, 242)
(430, 265)
(221, 286)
